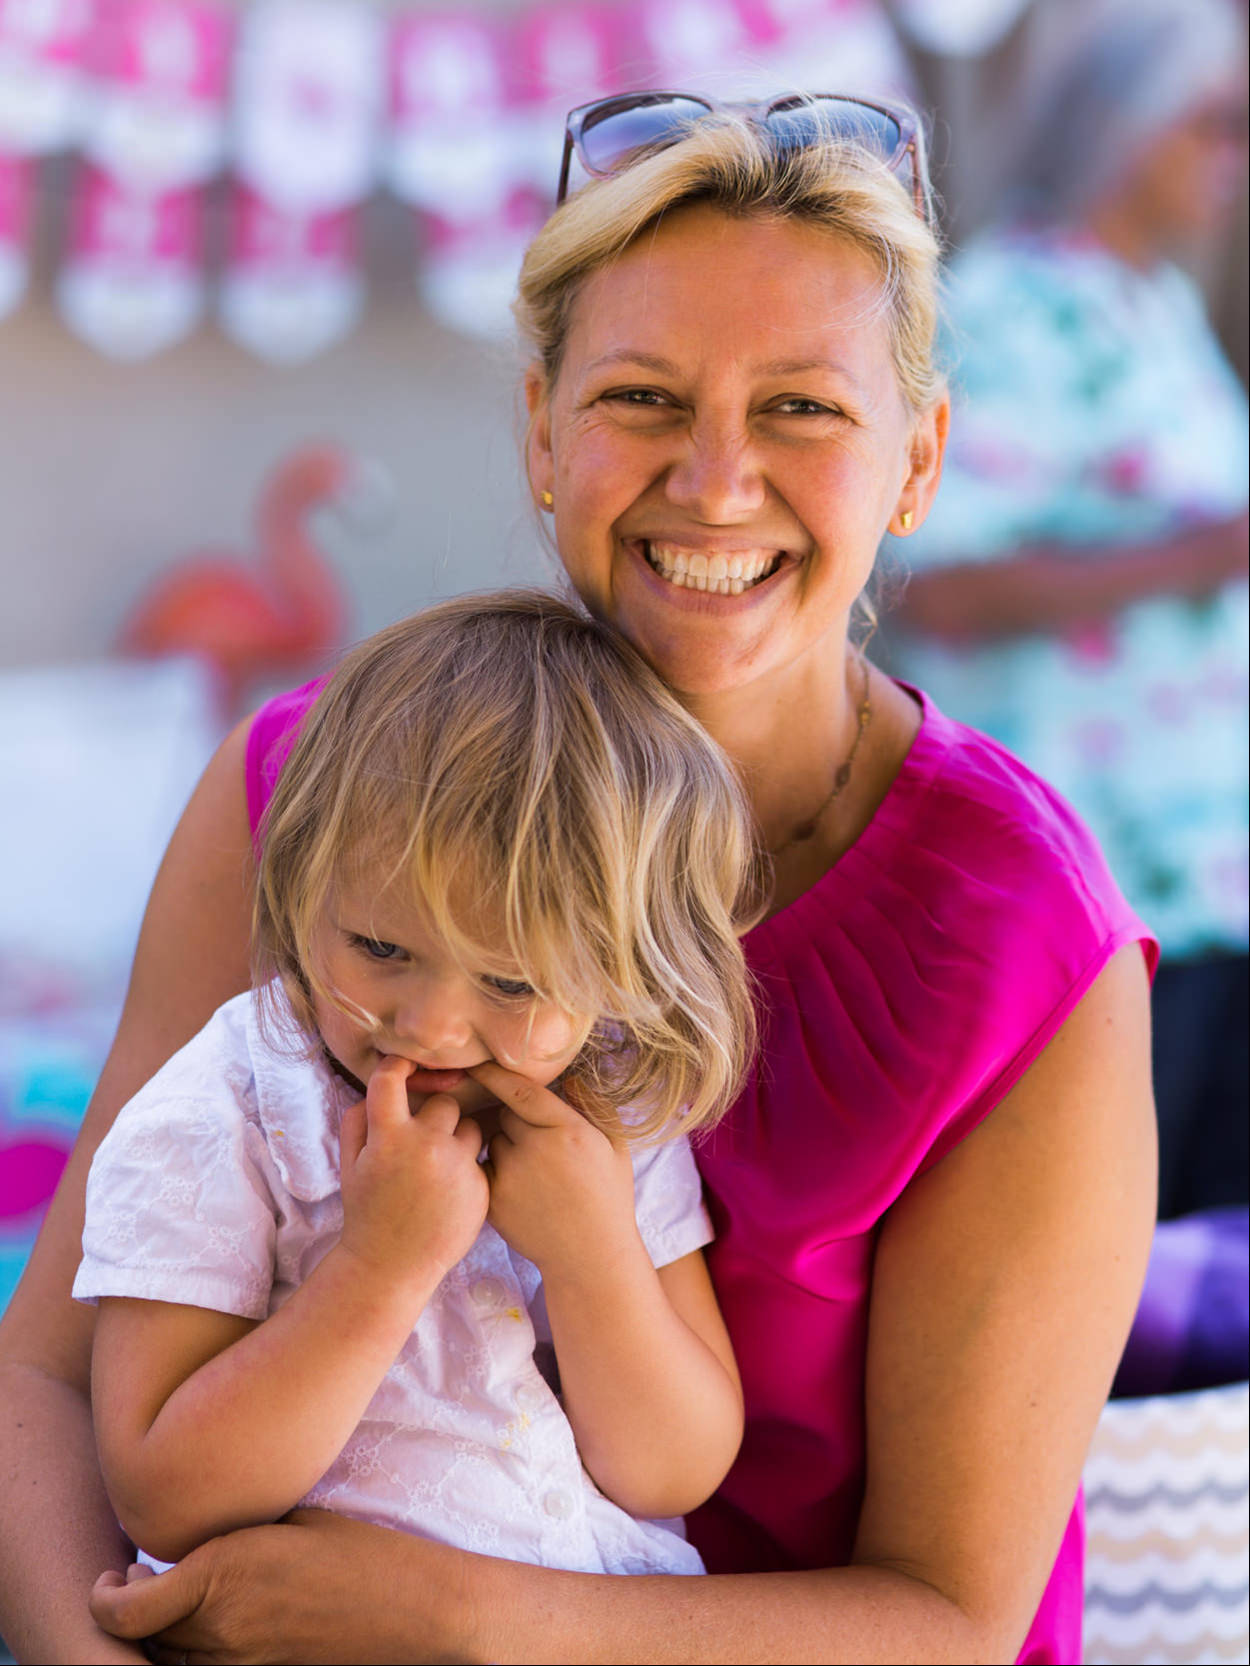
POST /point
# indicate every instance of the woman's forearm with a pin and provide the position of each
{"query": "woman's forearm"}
(1050, 589)
(326, 1588)
(57, 1531)
(854, 1614)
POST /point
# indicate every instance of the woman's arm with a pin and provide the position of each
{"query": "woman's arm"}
(1045, 589)
(1004, 1285)
(208, 1422)
(56, 1528)
(647, 1373)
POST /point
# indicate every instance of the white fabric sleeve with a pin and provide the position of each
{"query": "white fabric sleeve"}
(180, 1206)
(668, 1201)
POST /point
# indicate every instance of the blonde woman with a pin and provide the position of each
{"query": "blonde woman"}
(489, 847)
(934, 1197)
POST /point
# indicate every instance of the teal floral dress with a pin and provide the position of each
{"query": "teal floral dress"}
(1093, 407)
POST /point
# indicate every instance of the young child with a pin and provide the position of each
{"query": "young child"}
(499, 892)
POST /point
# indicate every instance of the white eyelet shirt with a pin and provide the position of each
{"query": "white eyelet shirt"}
(218, 1187)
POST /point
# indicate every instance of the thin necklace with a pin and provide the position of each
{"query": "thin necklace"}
(863, 718)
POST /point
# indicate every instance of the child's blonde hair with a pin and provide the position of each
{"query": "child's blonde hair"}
(511, 761)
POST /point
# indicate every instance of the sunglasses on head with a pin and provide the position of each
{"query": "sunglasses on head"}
(609, 134)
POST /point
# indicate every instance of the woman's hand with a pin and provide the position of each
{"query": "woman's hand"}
(560, 1192)
(315, 1587)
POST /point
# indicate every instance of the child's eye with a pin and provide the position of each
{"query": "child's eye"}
(375, 947)
(512, 987)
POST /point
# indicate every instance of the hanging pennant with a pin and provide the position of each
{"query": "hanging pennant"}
(42, 47)
(834, 46)
(16, 174)
(687, 39)
(161, 76)
(292, 285)
(131, 284)
(308, 97)
(561, 56)
(451, 147)
(468, 270)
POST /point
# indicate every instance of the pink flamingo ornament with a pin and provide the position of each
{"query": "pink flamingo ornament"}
(280, 611)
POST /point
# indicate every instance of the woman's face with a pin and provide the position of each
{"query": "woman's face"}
(726, 443)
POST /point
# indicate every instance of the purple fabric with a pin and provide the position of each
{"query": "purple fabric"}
(901, 997)
(1192, 1328)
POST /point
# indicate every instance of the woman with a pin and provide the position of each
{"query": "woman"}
(934, 1200)
(1080, 591)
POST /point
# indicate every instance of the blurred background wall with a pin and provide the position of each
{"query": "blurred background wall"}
(110, 471)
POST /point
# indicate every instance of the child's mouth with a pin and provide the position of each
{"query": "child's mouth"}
(435, 1081)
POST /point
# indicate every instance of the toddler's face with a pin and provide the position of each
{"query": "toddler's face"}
(377, 952)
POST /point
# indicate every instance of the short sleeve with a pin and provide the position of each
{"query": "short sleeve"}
(273, 732)
(180, 1205)
(668, 1201)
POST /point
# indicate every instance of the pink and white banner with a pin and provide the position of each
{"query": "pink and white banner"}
(305, 106)
(42, 74)
(16, 177)
(309, 100)
(132, 282)
(450, 148)
(161, 78)
(292, 285)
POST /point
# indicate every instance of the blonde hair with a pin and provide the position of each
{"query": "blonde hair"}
(727, 162)
(520, 769)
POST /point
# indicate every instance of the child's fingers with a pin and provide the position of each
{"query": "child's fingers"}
(535, 1105)
(387, 1094)
(352, 1130)
(469, 1134)
(440, 1114)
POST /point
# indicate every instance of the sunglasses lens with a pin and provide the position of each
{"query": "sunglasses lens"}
(799, 123)
(617, 128)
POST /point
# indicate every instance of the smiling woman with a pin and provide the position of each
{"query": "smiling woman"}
(947, 1144)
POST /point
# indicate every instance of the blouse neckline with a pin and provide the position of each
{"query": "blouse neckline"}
(916, 774)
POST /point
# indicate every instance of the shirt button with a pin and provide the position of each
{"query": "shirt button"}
(559, 1505)
(488, 1292)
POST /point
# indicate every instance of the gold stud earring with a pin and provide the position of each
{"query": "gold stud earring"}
(547, 500)
(905, 520)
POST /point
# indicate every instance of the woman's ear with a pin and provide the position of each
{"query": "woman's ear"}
(928, 447)
(539, 461)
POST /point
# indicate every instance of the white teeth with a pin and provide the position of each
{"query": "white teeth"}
(717, 574)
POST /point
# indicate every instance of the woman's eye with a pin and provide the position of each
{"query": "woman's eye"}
(645, 398)
(803, 407)
(376, 948)
(512, 987)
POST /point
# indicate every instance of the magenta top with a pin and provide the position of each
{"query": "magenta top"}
(901, 997)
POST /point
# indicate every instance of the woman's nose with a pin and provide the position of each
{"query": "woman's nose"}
(718, 478)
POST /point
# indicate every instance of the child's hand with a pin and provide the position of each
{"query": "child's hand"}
(560, 1192)
(414, 1194)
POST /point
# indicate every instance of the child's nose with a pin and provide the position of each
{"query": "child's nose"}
(434, 1021)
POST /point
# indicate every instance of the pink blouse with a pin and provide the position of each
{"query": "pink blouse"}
(902, 996)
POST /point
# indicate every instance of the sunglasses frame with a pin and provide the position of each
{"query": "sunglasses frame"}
(911, 134)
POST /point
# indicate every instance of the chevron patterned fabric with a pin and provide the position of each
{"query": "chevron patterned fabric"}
(1166, 1492)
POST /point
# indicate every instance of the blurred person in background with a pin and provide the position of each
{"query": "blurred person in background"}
(1080, 588)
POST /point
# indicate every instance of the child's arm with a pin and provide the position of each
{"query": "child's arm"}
(647, 1373)
(207, 1422)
